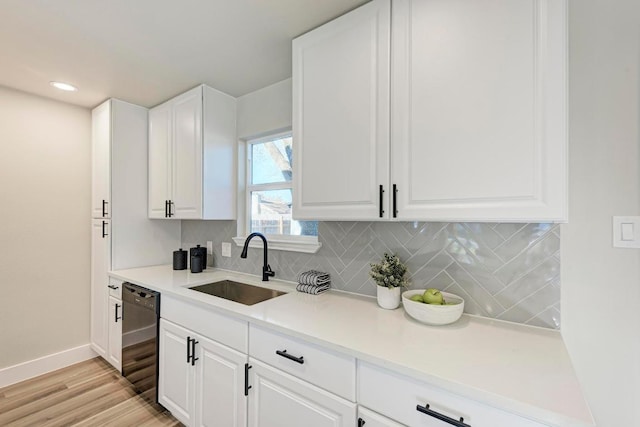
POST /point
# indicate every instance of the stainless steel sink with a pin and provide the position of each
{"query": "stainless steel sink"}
(238, 292)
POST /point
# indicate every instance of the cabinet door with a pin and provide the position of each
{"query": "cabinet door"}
(100, 264)
(220, 399)
(368, 418)
(159, 160)
(101, 161)
(176, 378)
(186, 183)
(115, 333)
(341, 117)
(479, 109)
(281, 400)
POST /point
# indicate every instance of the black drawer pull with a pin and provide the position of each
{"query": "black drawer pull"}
(115, 288)
(189, 349)
(361, 422)
(425, 410)
(284, 353)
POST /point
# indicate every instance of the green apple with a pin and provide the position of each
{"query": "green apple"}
(433, 296)
(416, 298)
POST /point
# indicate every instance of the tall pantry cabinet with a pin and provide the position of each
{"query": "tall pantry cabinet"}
(122, 236)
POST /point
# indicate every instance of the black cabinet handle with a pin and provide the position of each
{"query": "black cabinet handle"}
(104, 233)
(425, 410)
(166, 208)
(104, 208)
(170, 209)
(395, 206)
(117, 318)
(115, 288)
(286, 355)
(246, 379)
(193, 352)
(188, 349)
(381, 195)
(361, 422)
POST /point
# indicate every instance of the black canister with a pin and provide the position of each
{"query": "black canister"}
(203, 253)
(180, 259)
(196, 263)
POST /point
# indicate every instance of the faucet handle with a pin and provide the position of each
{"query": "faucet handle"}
(268, 271)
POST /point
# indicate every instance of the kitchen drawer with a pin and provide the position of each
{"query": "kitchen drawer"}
(368, 418)
(218, 327)
(324, 368)
(397, 397)
(115, 288)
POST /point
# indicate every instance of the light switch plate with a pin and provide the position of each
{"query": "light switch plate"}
(226, 249)
(626, 231)
(209, 247)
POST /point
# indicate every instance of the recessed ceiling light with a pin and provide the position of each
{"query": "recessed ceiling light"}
(64, 86)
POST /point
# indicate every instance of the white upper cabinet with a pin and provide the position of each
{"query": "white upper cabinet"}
(479, 109)
(474, 128)
(192, 156)
(160, 156)
(341, 116)
(101, 161)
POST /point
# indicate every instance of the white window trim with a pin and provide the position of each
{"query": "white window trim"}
(304, 244)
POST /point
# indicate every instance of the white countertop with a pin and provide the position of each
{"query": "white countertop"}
(522, 369)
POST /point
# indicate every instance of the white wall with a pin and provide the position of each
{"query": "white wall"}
(600, 284)
(265, 110)
(44, 226)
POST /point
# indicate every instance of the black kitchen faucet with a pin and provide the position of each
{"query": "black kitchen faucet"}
(266, 268)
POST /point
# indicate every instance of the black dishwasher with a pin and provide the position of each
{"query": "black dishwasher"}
(140, 314)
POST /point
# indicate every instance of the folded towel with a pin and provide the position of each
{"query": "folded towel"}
(313, 289)
(314, 277)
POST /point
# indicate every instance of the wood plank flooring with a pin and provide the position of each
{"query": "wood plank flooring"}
(87, 394)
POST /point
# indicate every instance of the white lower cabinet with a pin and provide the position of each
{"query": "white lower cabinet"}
(368, 418)
(200, 381)
(278, 399)
(100, 264)
(419, 404)
(114, 352)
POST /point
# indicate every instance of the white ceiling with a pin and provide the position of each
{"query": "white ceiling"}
(146, 51)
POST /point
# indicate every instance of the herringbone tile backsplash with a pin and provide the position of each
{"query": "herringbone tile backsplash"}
(503, 271)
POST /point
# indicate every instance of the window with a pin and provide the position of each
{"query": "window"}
(269, 195)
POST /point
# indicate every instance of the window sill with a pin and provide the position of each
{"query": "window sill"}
(282, 245)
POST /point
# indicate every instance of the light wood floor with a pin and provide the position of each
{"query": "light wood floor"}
(90, 393)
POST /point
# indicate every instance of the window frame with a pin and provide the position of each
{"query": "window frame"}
(286, 242)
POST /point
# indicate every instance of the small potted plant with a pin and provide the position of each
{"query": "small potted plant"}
(389, 275)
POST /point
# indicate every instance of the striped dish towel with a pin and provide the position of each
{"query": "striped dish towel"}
(314, 277)
(313, 282)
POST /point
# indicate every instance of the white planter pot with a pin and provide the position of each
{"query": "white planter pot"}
(388, 298)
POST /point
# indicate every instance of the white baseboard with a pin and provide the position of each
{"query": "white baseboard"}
(33, 368)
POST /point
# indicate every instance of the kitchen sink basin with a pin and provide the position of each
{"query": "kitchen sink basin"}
(238, 292)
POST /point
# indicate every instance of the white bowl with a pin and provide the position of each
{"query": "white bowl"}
(433, 314)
